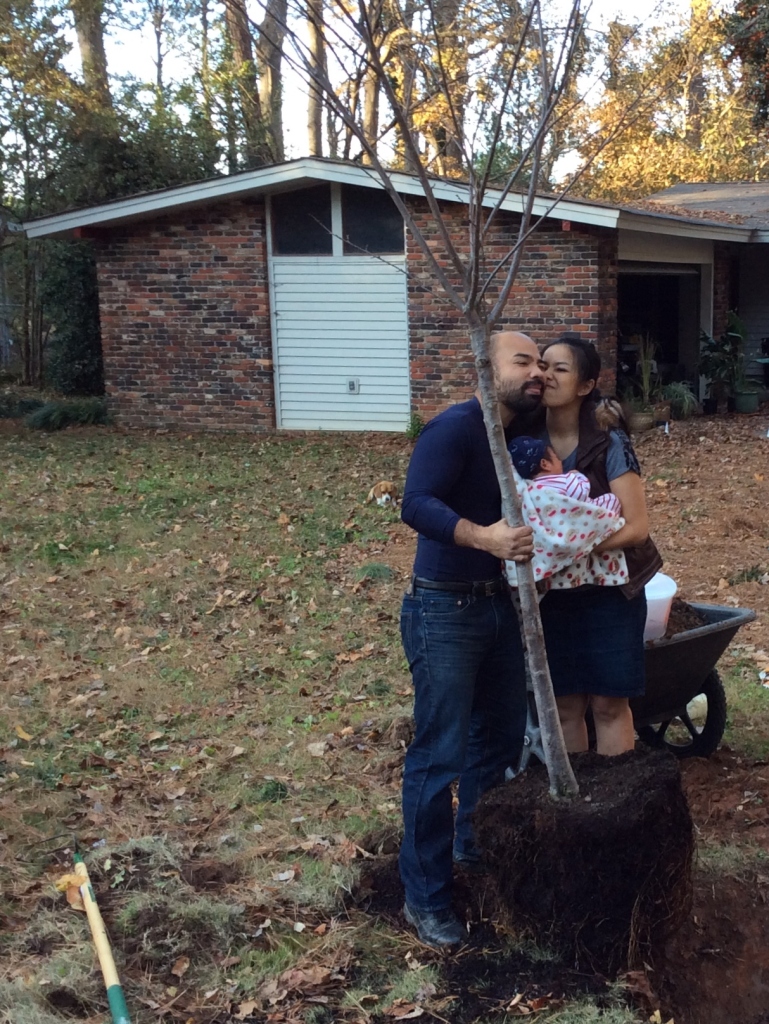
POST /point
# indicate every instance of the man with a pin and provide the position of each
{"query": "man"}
(461, 637)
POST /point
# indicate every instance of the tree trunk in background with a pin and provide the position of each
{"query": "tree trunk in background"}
(451, 73)
(371, 83)
(158, 17)
(371, 108)
(318, 59)
(257, 150)
(406, 62)
(205, 62)
(269, 55)
(89, 26)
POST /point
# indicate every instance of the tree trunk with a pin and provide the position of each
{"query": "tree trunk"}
(205, 68)
(452, 75)
(318, 63)
(371, 108)
(89, 26)
(563, 784)
(158, 13)
(269, 55)
(236, 17)
(407, 70)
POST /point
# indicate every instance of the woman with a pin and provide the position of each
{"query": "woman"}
(594, 635)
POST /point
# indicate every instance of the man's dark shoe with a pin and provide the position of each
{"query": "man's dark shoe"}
(437, 928)
(472, 865)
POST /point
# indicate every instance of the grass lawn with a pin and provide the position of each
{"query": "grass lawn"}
(203, 686)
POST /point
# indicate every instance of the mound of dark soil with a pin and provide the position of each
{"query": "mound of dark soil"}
(603, 879)
(683, 617)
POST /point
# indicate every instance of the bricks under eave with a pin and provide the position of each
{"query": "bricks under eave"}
(186, 322)
(567, 281)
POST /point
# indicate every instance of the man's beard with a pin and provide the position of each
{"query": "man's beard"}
(517, 399)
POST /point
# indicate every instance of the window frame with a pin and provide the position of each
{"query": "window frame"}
(337, 229)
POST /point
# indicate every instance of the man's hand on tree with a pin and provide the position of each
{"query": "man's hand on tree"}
(515, 543)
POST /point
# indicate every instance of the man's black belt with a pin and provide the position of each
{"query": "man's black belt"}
(480, 588)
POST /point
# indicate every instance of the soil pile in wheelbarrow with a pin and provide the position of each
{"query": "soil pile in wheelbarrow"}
(603, 879)
(682, 617)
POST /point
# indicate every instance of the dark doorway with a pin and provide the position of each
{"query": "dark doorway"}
(664, 304)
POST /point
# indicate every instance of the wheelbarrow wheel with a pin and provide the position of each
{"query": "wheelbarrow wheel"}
(691, 739)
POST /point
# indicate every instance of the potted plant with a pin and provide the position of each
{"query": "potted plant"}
(641, 402)
(719, 362)
(746, 393)
(683, 402)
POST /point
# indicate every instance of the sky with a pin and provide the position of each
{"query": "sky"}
(130, 52)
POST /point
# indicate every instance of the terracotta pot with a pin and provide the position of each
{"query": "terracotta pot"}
(641, 420)
(662, 412)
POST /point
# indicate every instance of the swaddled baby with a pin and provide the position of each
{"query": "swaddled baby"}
(536, 460)
(568, 524)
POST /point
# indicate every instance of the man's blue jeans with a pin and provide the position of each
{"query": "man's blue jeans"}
(466, 661)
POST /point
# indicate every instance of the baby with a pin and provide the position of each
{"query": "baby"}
(568, 524)
(536, 460)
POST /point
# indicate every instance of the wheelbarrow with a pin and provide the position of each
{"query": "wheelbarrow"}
(684, 707)
(684, 687)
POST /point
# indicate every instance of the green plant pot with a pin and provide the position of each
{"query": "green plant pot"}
(746, 401)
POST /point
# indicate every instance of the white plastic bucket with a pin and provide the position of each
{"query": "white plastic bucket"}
(660, 591)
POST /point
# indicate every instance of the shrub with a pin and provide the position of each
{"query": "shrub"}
(415, 427)
(57, 415)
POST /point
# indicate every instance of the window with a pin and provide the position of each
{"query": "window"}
(335, 220)
(301, 222)
(371, 222)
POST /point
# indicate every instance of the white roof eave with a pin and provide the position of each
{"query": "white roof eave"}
(282, 176)
(662, 225)
(309, 170)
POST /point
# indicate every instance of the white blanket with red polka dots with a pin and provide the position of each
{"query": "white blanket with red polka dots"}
(565, 532)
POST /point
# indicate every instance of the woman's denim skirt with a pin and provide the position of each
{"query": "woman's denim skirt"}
(594, 639)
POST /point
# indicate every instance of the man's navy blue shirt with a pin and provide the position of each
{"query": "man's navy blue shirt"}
(451, 477)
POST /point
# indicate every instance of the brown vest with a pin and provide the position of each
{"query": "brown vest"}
(643, 560)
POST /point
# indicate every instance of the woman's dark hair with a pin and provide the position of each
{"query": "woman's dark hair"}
(595, 410)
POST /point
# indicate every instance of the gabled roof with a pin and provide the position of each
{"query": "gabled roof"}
(743, 202)
(312, 170)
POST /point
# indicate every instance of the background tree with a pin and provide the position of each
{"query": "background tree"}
(747, 31)
(693, 116)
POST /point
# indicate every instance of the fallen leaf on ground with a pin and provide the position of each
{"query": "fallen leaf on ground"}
(181, 966)
(71, 885)
(401, 1010)
(247, 1009)
(22, 734)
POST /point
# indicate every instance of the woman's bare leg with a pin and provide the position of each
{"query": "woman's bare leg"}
(614, 732)
(571, 711)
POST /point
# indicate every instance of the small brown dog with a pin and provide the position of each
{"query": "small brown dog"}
(383, 493)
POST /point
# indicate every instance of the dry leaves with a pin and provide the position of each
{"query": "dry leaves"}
(181, 966)
(518, 1007)
(71, 885)
(402, 1009)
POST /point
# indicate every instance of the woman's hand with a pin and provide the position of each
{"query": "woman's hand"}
(629, 488)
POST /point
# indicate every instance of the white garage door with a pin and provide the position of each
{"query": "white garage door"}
(341, 342)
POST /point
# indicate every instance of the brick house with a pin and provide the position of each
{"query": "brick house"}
(291, 296)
